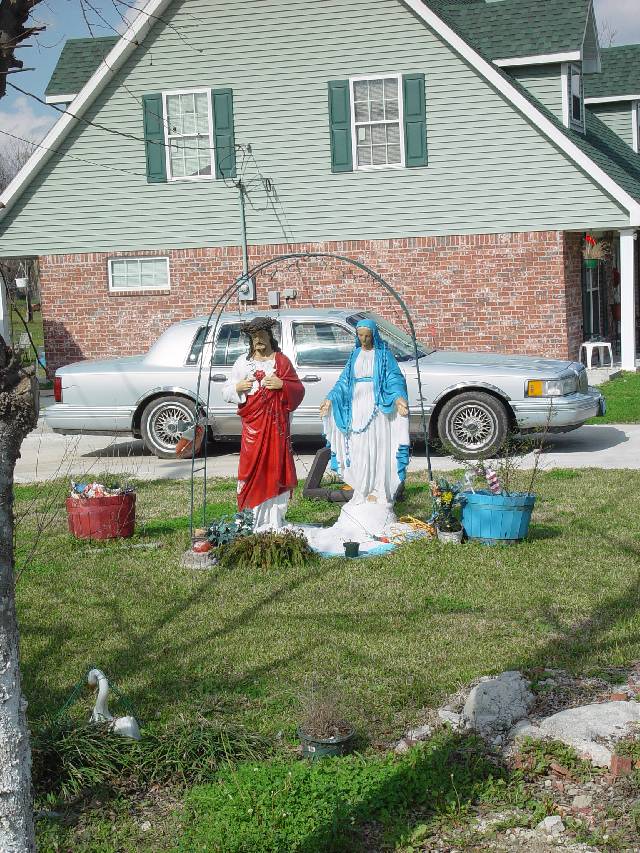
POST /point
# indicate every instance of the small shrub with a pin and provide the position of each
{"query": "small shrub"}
(283, 550)
(323, 717)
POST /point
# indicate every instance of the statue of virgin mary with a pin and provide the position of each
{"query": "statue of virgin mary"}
(366, 422)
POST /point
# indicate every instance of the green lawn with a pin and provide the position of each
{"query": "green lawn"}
(35, 326)
(391, 635)
(623, 400)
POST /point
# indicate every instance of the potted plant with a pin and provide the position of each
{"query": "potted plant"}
(446, 497)
(323, 731)
(593, 251)
(105, 510)
(497, 514)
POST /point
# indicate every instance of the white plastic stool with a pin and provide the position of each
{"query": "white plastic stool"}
(601, 346)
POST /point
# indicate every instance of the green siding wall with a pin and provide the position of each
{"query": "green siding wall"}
(544, 82)
(616, 116)
(489, 169)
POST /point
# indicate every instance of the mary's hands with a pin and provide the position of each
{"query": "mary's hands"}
(402, 407)
(325, 408)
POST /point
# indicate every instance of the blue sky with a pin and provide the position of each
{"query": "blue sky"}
(63, 19)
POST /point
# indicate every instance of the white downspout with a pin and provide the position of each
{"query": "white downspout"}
(628, 298)
(5, 321)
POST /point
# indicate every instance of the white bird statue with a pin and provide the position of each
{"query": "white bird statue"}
(125, 726)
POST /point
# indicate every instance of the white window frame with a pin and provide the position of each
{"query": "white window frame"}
(576, 124)
(165, 115)
(354, 142)
(635, 117)
(139, 258)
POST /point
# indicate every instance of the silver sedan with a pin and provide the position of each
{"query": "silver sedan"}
(471, 400)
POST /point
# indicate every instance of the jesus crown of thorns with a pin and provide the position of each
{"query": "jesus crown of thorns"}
(260, 324)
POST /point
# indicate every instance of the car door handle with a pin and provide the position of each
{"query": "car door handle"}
(311, 377)
(218, 377)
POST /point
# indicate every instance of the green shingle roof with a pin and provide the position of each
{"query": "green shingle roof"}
(77, 62)
(620, 73)
(513, 28)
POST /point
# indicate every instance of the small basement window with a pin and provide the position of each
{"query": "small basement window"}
(131, 274)
(376, 121)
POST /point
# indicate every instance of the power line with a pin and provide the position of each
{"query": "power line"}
(72, 156)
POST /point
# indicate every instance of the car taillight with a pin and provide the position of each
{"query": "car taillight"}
(57, 389)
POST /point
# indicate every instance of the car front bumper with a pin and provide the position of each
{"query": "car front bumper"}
(559, 412)
(99, 420)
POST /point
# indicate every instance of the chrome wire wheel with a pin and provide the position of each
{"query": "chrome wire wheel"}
(473, 423)
(163, 422)
(168, 423)
(473, 427)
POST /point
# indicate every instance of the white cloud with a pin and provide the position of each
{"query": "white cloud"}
(22, 119)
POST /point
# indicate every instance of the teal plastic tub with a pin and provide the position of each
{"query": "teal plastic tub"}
(496, 519)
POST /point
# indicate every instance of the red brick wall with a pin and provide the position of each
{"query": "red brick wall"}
(512, 292)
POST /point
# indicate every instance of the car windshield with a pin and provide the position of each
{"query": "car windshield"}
(400, 344)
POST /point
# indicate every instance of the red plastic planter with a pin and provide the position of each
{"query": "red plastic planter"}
(111, 517)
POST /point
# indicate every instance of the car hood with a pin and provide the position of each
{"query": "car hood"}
(109, 365)
(496, 362)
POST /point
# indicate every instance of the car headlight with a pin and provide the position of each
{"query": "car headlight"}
(552, 387)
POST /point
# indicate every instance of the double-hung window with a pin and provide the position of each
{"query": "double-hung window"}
(576, 106)
(189, 134)
(376, 121)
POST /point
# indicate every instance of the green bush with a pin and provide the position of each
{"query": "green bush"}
(71, 760)
(318, 807)
(271, 551)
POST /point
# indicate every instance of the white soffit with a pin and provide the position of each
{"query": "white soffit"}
(539, 59)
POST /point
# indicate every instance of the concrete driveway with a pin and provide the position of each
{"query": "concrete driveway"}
(46, 455)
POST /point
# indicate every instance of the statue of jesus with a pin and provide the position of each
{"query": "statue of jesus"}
(267, 390)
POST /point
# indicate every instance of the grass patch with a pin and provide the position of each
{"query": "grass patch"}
(623, 400)
(389, 634)
(330, 805)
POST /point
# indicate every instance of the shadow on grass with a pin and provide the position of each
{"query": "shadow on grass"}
(544, 531)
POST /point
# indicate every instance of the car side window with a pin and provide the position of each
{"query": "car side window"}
(197, 345)
(231, 344)
(320, 344)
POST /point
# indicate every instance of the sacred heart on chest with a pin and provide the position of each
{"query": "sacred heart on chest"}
(259, 375)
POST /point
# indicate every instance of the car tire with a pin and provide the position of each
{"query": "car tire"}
(163, 420)
(473, 423)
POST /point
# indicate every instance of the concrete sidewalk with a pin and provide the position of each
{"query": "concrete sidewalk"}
(46, 455)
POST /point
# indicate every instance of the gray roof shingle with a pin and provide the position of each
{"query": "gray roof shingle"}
(620, 73)
(77, 62)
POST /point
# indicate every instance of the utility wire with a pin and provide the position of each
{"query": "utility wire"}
(72, 156)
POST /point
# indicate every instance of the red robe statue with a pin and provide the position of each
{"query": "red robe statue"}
(266, 467)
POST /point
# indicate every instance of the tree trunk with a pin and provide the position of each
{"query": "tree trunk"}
(18, 415)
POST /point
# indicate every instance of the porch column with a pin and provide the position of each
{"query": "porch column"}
(628, 298)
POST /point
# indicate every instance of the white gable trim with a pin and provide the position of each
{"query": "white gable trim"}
(539, 59)
(116, 57)
(59, 99)
(564, 82)
(611, 99)
(527, 108)
(121, 51)
(635, 118)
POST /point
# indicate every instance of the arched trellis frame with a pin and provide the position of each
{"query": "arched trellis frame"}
(212, 328)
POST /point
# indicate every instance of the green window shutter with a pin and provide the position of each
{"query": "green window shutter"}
(415, 120)
(224, 136)
(154, 139)
(340, 126)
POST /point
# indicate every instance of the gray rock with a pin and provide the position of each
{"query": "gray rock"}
(551, 825)
(419, 733)
(582, 801)
(589, 728)
(449, 717)
(497, 703)
(522, 729)
(402, 746)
